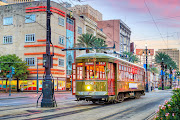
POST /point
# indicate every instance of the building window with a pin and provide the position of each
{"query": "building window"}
(7, 39)
(61, 40)
(30, 18)
(30, 61)
(8, 21)
(30, 38)
(61, 62)
(79, 30)
(61, 21)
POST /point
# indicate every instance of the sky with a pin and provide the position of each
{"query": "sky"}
(152, 22)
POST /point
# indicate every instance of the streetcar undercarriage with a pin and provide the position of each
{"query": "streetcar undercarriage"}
(113, 98)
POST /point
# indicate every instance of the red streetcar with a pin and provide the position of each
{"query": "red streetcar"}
(105, 78)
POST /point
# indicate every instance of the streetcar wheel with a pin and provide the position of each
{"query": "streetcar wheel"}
(121, 97)
(137, 95)
(114, 101)
(94, 102)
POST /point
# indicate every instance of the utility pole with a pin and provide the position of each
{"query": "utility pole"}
(147, 90)
(47, 89)
(162, 73)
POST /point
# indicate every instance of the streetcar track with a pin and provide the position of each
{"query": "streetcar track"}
(64, 113)
(126, 112)
(32, 112)
(24, 106)
(150, 116)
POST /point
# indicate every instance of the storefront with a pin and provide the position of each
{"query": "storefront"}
(31, 84)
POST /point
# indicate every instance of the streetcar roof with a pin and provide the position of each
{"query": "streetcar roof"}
(103, 55)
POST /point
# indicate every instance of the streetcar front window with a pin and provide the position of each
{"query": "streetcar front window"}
(96, 71)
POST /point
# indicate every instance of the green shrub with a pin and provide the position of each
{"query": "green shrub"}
(170, 110)
(165, 87)
(159, 88)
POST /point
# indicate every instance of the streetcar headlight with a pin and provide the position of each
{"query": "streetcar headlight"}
(88, 87)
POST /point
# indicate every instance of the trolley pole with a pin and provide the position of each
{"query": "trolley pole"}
(47, 89)
(147, 90)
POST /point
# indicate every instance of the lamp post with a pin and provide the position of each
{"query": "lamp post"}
(146, 50)
(147, 90)
(170, 77)
(162, 73)
(47, 89)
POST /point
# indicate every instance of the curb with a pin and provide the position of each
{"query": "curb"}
(12, 98)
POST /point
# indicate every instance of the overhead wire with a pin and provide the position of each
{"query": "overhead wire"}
(154, 22)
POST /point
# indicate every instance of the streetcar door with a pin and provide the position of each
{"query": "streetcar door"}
(73, 84)
(111, 79)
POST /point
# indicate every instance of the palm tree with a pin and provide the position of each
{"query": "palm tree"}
(131, 57)
(154, 70)
(90, 41)
(100, 43)
(163, 57)
(86, 40)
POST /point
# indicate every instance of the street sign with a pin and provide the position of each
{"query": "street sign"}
(162, 72)
(8, 76)
(170, 75)
(13, 70)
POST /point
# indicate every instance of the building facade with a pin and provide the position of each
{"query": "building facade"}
(88, 11)
(117, 32)
(173, 53)
(23, 29)
(141, 54)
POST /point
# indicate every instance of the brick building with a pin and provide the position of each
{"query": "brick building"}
(117, 32)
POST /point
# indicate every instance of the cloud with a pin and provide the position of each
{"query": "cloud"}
(158, 8)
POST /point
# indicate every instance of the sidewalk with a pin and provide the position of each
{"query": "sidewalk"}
(15, 95)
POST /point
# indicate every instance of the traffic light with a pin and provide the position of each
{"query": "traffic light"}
(13, 70)
(71, 14)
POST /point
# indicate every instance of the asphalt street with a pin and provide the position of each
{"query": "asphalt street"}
(25, 108)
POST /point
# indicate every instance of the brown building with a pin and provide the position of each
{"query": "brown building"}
(87, 10)
(117, 32)
(173, 53)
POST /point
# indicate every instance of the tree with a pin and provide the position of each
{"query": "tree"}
(21, 72)
(154, 70)
(167, 60)
(100, 43)
(90, 41)
(130, 57)
(86, 40)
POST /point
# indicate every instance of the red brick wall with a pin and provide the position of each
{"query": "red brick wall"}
(112, 30)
